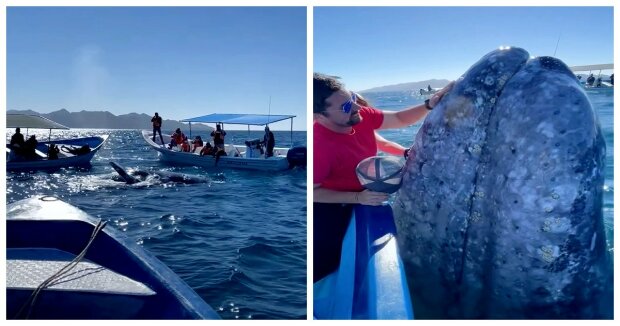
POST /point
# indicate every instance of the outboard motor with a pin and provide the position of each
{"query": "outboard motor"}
(296, 156)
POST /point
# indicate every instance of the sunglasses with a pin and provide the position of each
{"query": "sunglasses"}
(346, 106)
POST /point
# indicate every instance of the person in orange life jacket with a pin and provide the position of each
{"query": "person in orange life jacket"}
(185, 145)
(156, 120)
(177, 138)
(218, 136)
(344, 135)
(197, 142)
(207, 149)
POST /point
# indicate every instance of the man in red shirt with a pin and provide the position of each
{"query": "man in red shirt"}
(344, 135)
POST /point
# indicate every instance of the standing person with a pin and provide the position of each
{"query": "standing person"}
(157, 122)
(344, 135)
(218, 137)
(269, 141)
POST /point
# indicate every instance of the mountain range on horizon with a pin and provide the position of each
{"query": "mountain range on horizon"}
(107, 120)
(408, 87)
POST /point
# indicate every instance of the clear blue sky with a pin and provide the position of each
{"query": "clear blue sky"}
(180, 62)
(371, 46)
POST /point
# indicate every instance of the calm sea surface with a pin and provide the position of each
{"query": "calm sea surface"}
(239, 241)
(602, 100)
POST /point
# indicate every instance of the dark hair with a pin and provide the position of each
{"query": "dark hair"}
(323, 87)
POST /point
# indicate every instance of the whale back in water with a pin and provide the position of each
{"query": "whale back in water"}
(164, 176)
(500, 211)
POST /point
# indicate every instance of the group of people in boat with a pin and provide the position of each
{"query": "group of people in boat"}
(599, 81)
(179, 140)
(25, 149)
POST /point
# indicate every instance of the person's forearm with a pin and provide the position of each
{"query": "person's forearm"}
(322, 195)
(387, 146)
(391, 148)
(411, 115)
(407, 117)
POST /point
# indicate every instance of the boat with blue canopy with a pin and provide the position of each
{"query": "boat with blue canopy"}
(248, 156)
(592, 81)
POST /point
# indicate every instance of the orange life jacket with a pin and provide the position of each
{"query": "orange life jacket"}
(178, 138)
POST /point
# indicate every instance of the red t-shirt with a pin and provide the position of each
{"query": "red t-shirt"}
(336, 155)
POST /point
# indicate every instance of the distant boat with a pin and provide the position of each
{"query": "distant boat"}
(248, 156)
(424, 92)
(594, 81)
(74, 152)
(61, 263)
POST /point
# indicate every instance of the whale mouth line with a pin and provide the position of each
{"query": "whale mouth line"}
(494, 88)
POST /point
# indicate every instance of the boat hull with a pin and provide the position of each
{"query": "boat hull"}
(64, 161)
(276, 163)
(370, 282)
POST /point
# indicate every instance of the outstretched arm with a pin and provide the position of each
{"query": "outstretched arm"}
(407, 117)
(387, 146)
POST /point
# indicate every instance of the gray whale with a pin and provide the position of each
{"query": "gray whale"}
(164, 176)
(500, 211)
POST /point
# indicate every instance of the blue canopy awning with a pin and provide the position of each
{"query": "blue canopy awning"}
(240, 119)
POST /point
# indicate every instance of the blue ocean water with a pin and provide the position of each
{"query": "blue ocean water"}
(239, 241)
(602, 101)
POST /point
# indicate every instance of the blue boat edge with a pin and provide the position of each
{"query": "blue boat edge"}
(370, 282)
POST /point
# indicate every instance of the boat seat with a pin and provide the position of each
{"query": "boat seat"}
(27, 268)
(88, 291)
(40, 154)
